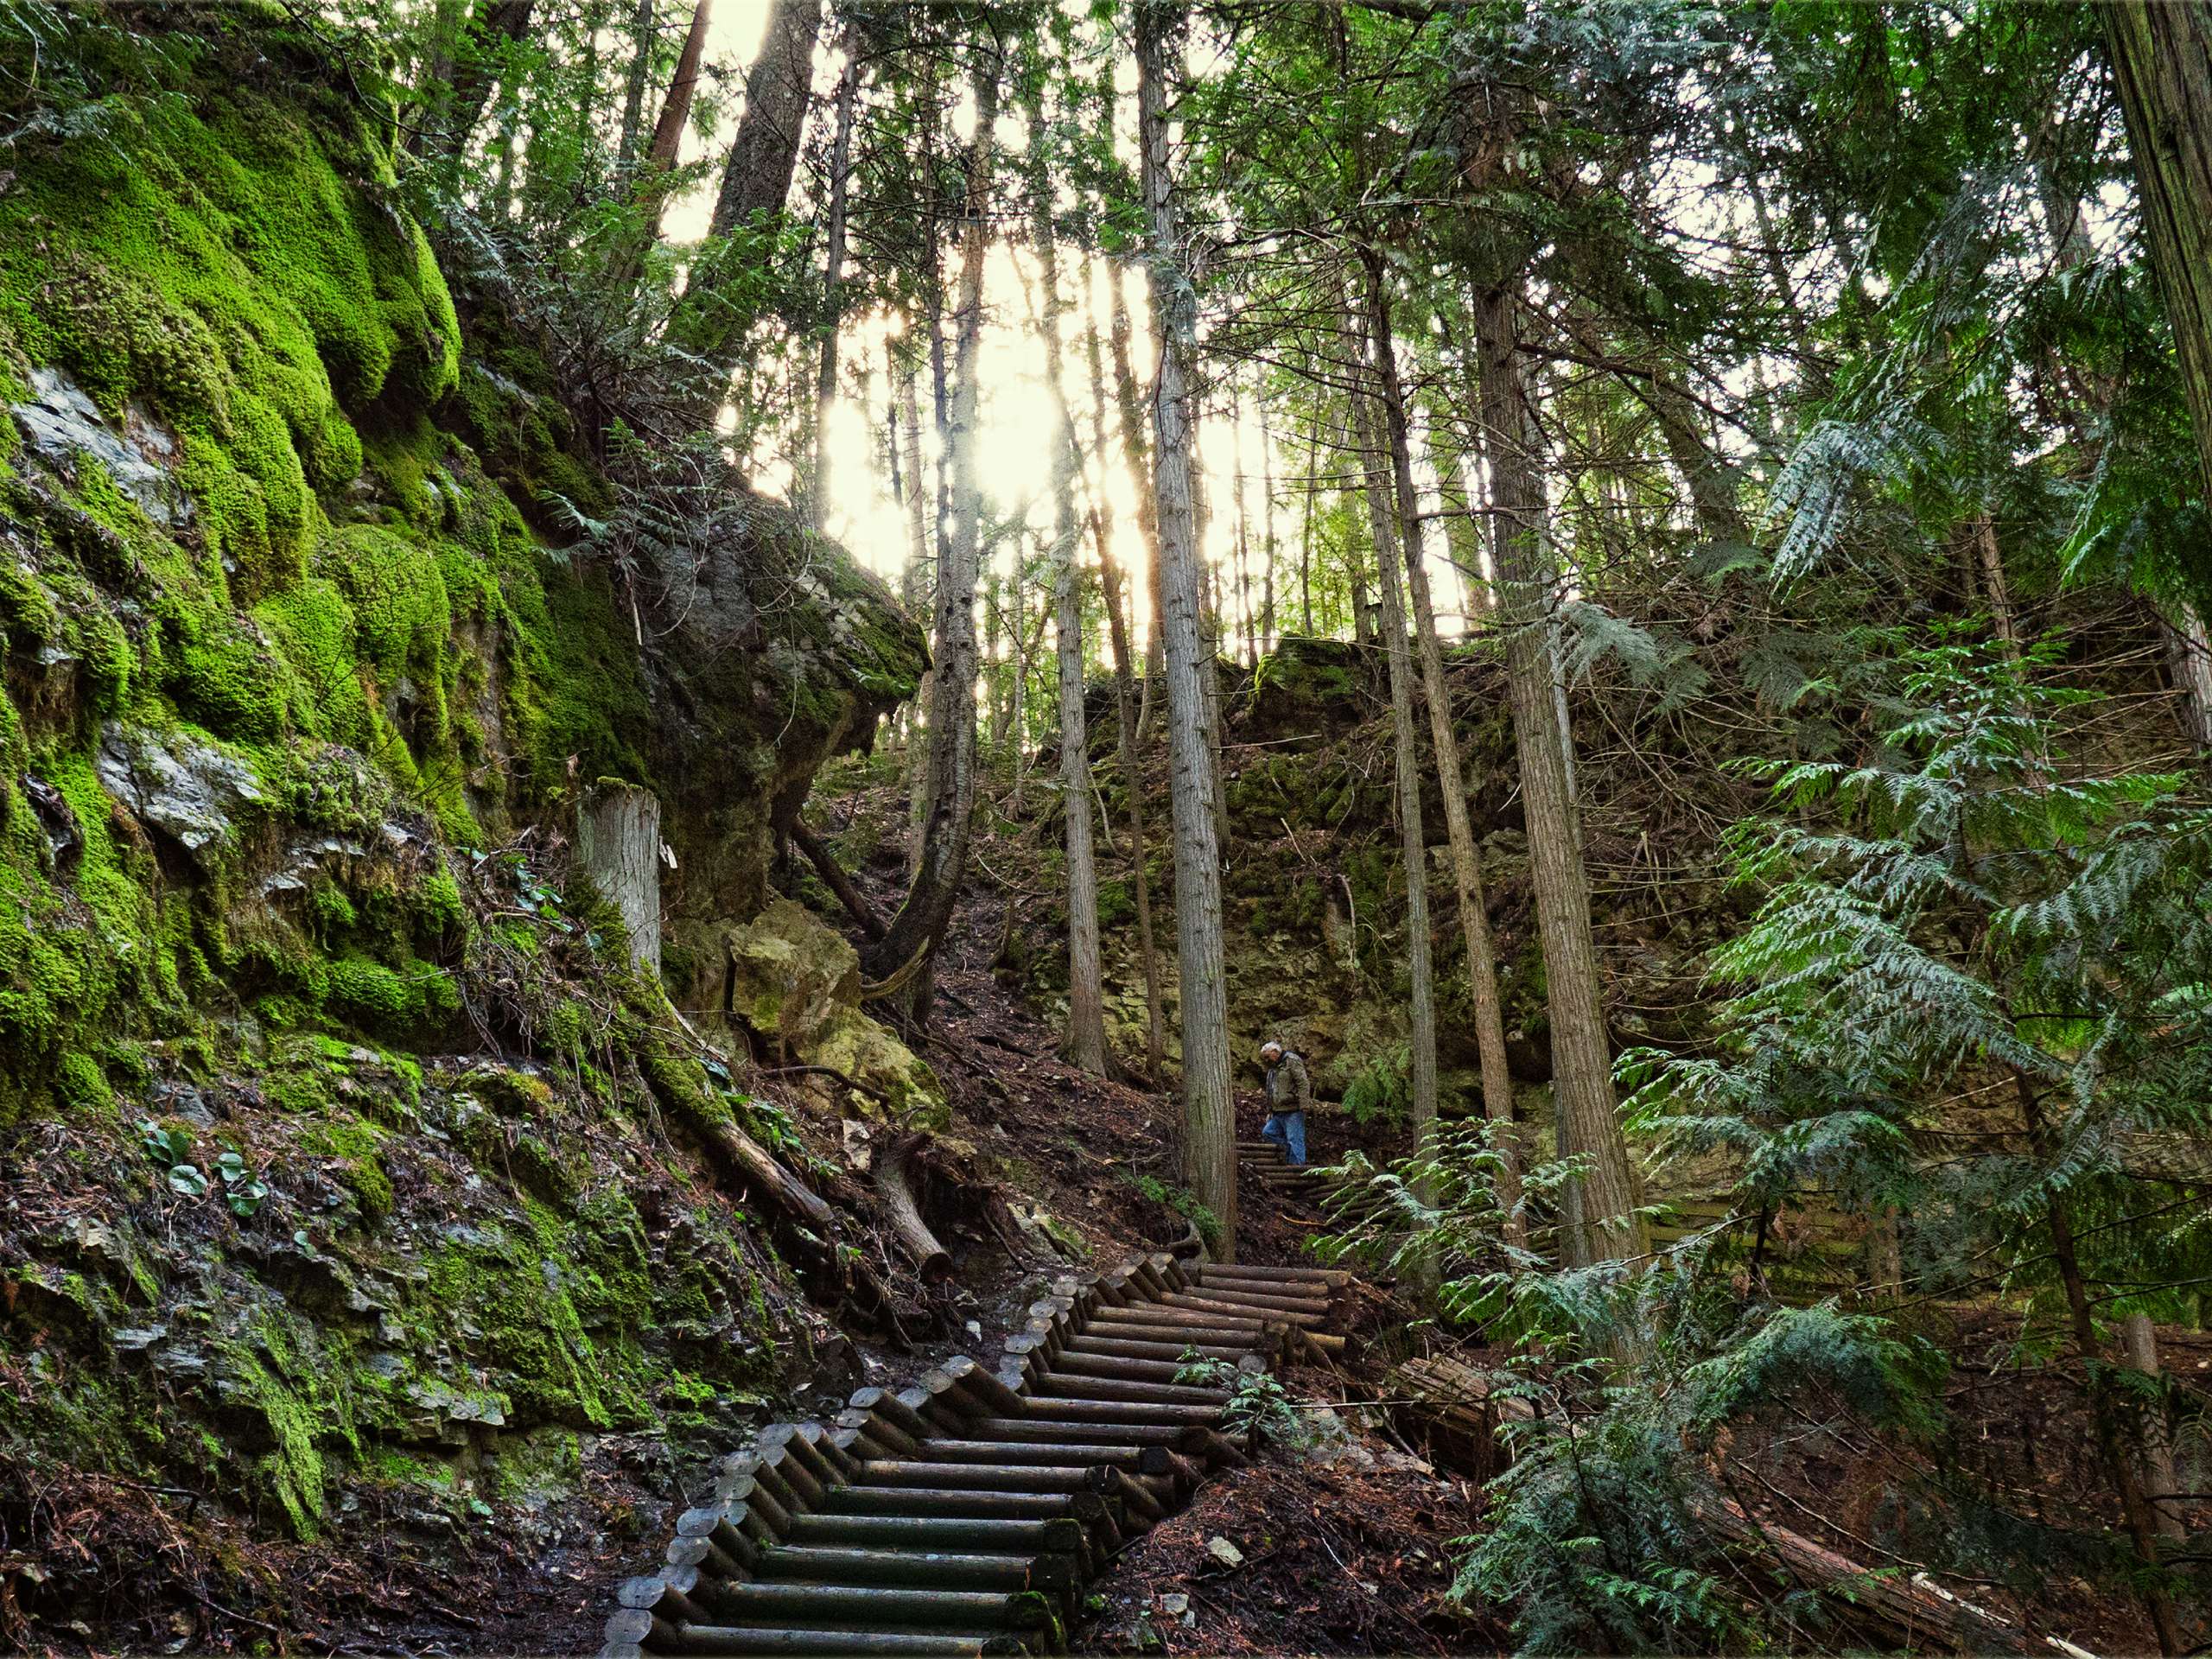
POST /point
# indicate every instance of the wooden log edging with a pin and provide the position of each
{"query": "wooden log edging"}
(965, 1513)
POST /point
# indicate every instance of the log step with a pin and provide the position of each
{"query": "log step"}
(1045, 1435)
(965, 1503)
(775, 1639)
(755, 1602)
(838, 1564)
(935, 1532)
(1109, 1388)
(975, 1477)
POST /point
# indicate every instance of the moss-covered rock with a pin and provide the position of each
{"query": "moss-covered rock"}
(796, 985)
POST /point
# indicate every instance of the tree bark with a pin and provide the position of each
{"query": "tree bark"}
(1466, 858)
(1267, 634)
(1209, 1129)
(1085, 1046)
(1582, 1078)
(757, 180)
(1125, 707)
(833, 281)
(1413, 841)
(920, 925)
(2140, 1339)
(2161, 54)
(917, 587)
(493, 29)
(1136, 453)
(617, 843)
(667, 146)
(642, 29)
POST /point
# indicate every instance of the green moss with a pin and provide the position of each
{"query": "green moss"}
(359, 1149)
(233, 262)
(387, 1002)
(83, 1086)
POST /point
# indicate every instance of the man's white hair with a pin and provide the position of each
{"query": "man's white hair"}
(1271, 1044)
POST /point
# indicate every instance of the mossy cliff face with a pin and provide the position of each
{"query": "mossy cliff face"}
(326, 1109)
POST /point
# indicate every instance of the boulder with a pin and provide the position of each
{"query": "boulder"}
(796, 985)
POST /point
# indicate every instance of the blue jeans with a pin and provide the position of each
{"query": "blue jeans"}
(1286, 1130)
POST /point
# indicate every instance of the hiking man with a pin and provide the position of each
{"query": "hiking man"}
(1290, 1091)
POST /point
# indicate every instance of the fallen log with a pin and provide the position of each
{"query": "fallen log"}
(1916, 1610)
(894, 1188)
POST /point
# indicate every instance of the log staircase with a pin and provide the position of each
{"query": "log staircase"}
(1266, 1163)
(966, 1513)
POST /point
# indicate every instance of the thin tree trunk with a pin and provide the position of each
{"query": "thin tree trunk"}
(920, 927)
(1581, 1054)
(1989, 559)
(2161, 54)
(1125, 705)
(592, 22)
(2119, 1468)
(494, 29)
(1209, 1124)
(1136, 453)
(642, 31)
(1466, 858)
(1412, 840)
(1243, 527)
(1306, 538)
(920, 562)
(2160, 1484)
(663, 152)
(1086, 1032)
(833, 280)
(1267, 530)
(667, 146)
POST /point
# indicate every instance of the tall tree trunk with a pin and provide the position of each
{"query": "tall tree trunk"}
(1466, 858)
(667, 146)
(1581, 1055)
(1305, 538)
(1712, 481)
(1136, 454)
(2162, 65)
(920, 563)
(663, 152)
(1243, 528)
(833, 279)
(1086, 1032)
(1209, 1115)
(1125, 704)
(1267, 634)
(757, 179)
(642, 31)
(915, 933)
(1412, 840)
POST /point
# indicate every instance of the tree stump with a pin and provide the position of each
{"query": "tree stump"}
(617, 839)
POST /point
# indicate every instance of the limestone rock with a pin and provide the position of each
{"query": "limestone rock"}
(797, 984)
(60, 423)
(189, 790)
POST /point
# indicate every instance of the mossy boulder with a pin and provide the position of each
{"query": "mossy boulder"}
(796, 985)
